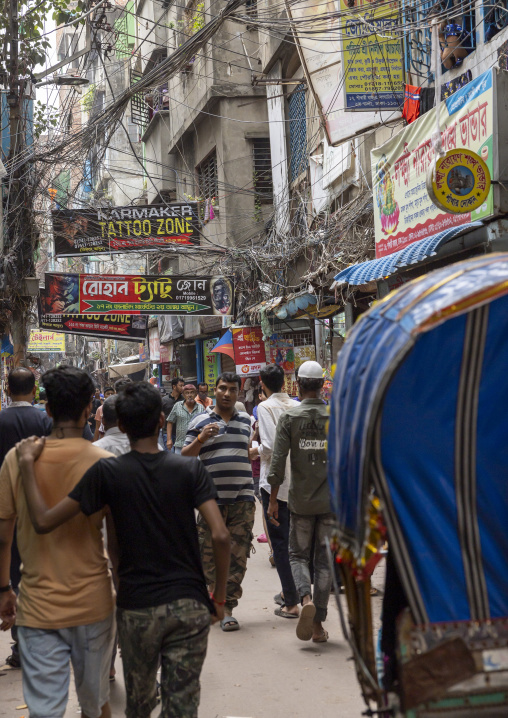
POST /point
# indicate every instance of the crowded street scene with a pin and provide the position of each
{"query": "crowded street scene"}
(253, 269)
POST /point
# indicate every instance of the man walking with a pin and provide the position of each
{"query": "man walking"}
(99, 427)
(269, 412)
(168, 402)
(114, 440)
(180, 417)
(221, 439)
(66, 597)
(302, 430)
(202, 397)
(163, 604)
(19, 421)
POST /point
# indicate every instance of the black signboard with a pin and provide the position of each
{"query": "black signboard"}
(136, 228)
(124, 327)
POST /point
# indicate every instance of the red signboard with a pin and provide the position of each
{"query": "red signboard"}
(249, 349)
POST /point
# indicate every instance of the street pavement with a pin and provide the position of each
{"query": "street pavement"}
(260, 671)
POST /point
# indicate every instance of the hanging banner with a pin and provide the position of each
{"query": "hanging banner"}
(154, 344)
(116, 326)
(44, 341)
(282, 352)
(133, 294)
(403, 211)
(249, 348)
(139, 228)
(372, 55)
(210, 362)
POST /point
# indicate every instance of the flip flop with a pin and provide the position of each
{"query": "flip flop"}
(322, 638)
(284, 614)
(229, 623)
(304, 628)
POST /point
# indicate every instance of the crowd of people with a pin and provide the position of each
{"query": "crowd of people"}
(164, 484)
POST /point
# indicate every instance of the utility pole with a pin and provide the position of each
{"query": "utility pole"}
(20, 245)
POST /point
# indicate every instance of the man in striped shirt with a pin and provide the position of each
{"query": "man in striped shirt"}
(221, 439)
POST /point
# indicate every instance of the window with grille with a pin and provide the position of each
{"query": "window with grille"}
(208, 182)
(299, 159)
(262, 162)
(251, 8)
(139, 108)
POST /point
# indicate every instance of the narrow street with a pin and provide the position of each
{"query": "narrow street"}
(261, 671)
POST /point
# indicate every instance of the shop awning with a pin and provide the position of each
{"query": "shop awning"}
(119, 370)
(414, 253)
(285, 308)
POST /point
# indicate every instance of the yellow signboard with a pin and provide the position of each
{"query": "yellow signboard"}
(42, 341)
(459, 182)
(372, 55)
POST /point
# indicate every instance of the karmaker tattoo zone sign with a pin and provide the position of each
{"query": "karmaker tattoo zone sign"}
(135, 294)
(124, 229)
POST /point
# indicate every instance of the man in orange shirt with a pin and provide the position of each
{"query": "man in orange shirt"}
(202, 397)
(66, 597)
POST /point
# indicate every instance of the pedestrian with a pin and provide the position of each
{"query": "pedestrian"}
(202, 397)
(168, 402)
(114, 440)
(180, 417)
(269, 413)
(221, 439)
(40, 405)
(66, 598)
(18, 421)
(99, 428)
(96, 403)
(301, 430)
(164, 609)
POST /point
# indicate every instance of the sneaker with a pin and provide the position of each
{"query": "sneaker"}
(262, 538)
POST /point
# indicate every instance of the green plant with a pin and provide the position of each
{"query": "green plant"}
(44, 119)
(88, 99)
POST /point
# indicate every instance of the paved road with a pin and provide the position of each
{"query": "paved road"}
(261, 671)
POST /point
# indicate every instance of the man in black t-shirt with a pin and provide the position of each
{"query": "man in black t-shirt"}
(19, 421)
(163, 603)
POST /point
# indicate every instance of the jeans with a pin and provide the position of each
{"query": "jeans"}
(176, 634)
(279, 536)
(302, 531)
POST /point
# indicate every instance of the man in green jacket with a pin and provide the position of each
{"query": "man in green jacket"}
(302, 431)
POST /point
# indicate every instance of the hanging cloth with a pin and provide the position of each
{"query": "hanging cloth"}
(411, 111)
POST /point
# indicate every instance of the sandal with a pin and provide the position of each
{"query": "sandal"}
(229, 623)
(304, 628)
(322, 638)
(284, 614)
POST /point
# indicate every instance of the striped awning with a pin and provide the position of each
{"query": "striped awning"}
(414, 253)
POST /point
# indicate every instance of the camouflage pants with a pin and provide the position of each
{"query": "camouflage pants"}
(239, 519)
(174, 635)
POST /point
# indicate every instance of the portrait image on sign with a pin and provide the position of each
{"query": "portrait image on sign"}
(459, 182)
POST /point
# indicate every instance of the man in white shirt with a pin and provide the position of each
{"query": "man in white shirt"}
(113, 440)
(272, 381)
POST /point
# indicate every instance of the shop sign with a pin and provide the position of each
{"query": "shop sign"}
(43, 341)
(135, 294)
(459, 182)
(282, 352)
(126, 327)
(124, 229)
(154, 344)
(306, 353)
(403, 210)
(210, 362)
(166, 352)
(372, 54)
(144, 352)
(249, 349)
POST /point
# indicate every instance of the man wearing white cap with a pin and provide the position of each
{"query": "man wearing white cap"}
(301, 430)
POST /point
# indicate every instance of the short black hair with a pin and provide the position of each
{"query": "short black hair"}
(109, 415)
(176, 380)
(229, 377)
(69, 390)
(311, 384)
(20, 381)
(273, 376)
(138, 407)
(108, 388)
(120, 383)
(202, 383)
